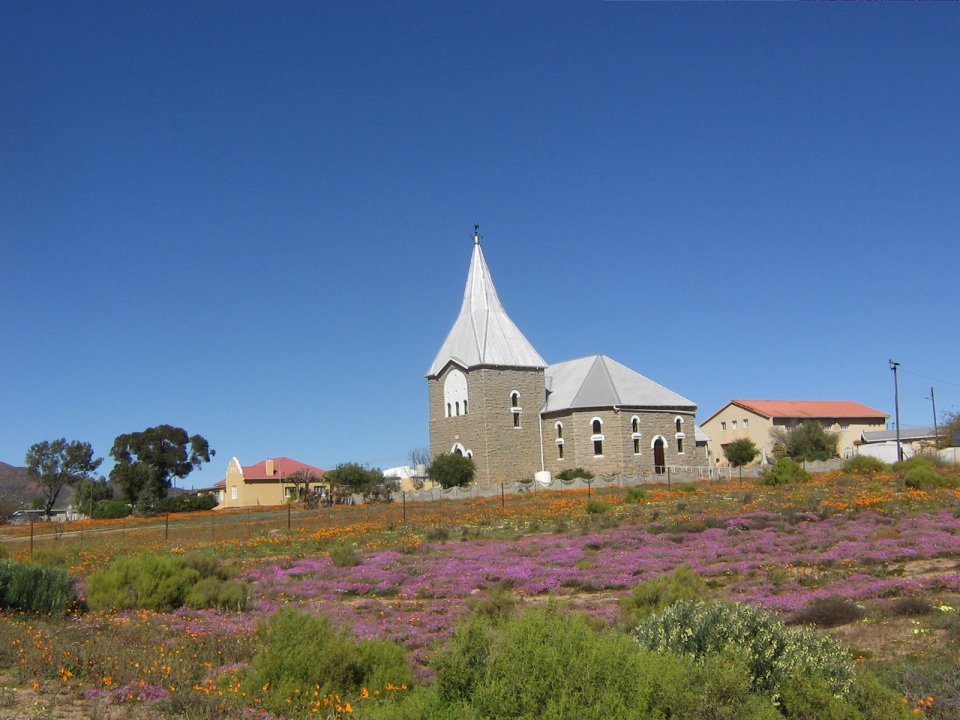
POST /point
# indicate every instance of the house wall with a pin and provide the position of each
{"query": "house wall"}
(251, 493)
(501, 452)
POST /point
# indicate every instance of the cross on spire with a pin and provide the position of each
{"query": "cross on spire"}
(476, 234)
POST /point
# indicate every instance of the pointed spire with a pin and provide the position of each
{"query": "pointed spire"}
(483, 333)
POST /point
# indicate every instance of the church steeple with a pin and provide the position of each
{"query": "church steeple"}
(483, 333)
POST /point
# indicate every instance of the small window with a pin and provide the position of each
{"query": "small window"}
(635, 424)
(844, 426)
(597, 426)
(723, 426)
(559, 427)
(636, 446)
(516, 419)
(680, 445)
(560, 451)
(746, 423)
(679, 424)
(515, 399)
(448, 410)
(457, 407)
(464, 407)
(233, 492)
(598, 448)
(734, 424)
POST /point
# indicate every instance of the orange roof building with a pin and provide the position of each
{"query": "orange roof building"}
(263, 483)
(754, 419)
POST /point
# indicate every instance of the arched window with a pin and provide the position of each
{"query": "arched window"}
(679, 437)
(678, 421)
(515, 408)
(455, 391)
(635, 424)
(559, 427)
(597, 437)
(635, 434)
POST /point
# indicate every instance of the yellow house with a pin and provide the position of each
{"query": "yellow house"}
(263, 483)
(754, 419)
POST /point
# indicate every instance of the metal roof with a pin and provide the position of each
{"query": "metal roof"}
(875, 436)
(483, 333)
(597, 381)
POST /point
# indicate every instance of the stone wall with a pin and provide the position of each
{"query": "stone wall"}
(501, 451)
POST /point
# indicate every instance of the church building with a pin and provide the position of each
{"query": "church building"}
(494, 398)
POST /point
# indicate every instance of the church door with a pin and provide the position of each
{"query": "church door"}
(659, 460)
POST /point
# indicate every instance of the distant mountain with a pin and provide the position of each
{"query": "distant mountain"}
(15, 487)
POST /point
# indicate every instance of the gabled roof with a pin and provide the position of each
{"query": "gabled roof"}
(828, 409)
(598, 381)
(282, 467)
(483, 334)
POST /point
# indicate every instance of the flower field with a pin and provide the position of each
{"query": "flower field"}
(411, 574)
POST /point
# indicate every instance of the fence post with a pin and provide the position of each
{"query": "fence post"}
(31, 537)
(211, 525)
(288, 515)
(502, 497)
(403, 494)
(166, 527)
(668, 477)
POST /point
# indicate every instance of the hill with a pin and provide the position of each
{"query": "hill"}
(18, 490)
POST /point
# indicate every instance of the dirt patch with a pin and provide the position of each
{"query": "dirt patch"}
(19, 701)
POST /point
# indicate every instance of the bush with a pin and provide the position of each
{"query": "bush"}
(597, 507)
(654, 595)
(922, 475)
(828, 612)
(452, 470)
(344, 555)
(164, 583)
(771, 651)
(35, 588)
(303, 659)
(784, 472)
(910, 606)
(573, 473)
(187, 502)
(637, 494)
(111, 510)
(864, 464)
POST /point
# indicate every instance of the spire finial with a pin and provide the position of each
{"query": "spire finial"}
(476, 233)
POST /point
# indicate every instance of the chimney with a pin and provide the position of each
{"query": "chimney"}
(269, 467)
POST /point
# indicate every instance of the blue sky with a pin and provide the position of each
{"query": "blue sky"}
(253, 220)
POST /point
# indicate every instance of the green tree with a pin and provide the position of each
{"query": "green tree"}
(147, 461)
(89, 492)
(807, 441)
(56, 463)
(741, 452)
(949, 430)
(361, 479)
(452, 470)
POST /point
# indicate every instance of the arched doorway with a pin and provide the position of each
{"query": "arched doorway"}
(659, 456)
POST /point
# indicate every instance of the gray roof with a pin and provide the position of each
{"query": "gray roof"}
(483, 333)
(598, 381)
(876, 436)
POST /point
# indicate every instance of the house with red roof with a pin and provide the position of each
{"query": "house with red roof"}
(754, 419)
(264, 483)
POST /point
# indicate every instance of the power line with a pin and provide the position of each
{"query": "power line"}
(927, 377)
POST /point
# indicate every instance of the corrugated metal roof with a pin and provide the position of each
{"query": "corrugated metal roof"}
(906, 434)
(483, 333)
(810, 409)
(598, 381)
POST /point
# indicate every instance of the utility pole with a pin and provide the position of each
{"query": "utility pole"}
(936, 431)
(895, 366)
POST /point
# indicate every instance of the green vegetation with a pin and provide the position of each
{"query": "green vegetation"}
(360, 479)
(111, 510)
(35, 588)
(303, 659)
(659, 593)
(56, 464)
(807, 441)
(636, 494)
(344, 555)
(187, 502)
(452, 470)
(784, 471)
(598, 507)
(741, 452)
(573, 473)
(163, 583)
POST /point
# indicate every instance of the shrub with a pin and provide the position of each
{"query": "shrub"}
(924, 475)
(785, 471)
(828, 612)
(302, 658)
(654, 595)
(110, 510)
(35, 588)
(597, 507)
(163, 583)
(864, 464)
(910, 606)
(686, 487)
(637, 494)
(573, 473)
(771, 651)
(437, 534)
(344, 555)
(187, 502)
(452, 470)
